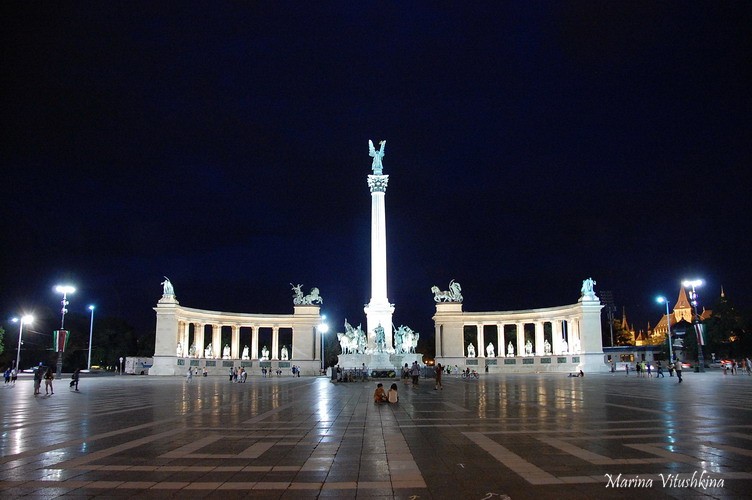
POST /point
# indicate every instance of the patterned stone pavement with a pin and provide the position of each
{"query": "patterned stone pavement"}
(513, 436)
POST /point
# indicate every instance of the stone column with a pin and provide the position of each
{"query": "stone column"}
(501, 349)
(378, 311)
(254, 342)
(235, 343)
(520, 339)
(198, 331)
(481, 341)
(275, 343)
(439, 341)
(217, 341)
(556, 336)
(185, 335)
(538, 338)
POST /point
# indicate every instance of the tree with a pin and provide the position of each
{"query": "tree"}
(2, 340)
(725, 332)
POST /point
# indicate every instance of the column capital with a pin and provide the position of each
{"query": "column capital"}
(377, 183)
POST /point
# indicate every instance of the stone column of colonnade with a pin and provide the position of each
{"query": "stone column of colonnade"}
(198, 334)
(254, 342)
(556, 332)
(501, 349)
(217, 341)
(520, 349)
(275, 343)
(235, 342)
(481, 350)
(539, 350)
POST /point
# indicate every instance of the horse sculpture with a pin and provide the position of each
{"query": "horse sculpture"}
(299, 299)
(452, 295)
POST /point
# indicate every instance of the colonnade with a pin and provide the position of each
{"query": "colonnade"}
(184, 343)
(573, 331)
(179, 328)
(565, 338)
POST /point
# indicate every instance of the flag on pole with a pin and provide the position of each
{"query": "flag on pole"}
(700, 331)
(59, 340)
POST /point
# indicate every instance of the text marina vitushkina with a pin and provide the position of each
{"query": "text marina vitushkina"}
(703, 481)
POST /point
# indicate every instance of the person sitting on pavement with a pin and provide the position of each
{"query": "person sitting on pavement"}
(392, 395)
(379, 396)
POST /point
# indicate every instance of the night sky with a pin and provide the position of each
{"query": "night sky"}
(530, 145)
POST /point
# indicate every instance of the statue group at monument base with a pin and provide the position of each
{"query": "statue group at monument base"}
(380, 361)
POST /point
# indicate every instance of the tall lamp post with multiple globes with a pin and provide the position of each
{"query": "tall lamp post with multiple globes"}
(91, 330)
(61, 335)
(323, 328)
(23, 319)
(663, 300)
(696, 321)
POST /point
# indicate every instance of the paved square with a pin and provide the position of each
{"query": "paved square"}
(516, 436)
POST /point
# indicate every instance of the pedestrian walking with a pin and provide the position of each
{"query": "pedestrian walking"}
(13, 376)
(659, 370)
(189, 375)
(678, 368)
(6, 374)
(650, 373)
(626, 368)
(439, 369)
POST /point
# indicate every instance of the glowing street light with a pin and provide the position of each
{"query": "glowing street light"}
(65, 290)
(23, 319)
(91, 330)
(322, 328)
(696, 321)
(61, 335)
(663, 300)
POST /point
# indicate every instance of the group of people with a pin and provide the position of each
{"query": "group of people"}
(645, 370)
(11, 375)
(382, 396)
(238, 375)
(746, 366)
(45, 373)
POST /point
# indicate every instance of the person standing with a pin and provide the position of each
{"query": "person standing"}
(48, 378)
(659, 370)
(13, 376)
(678, 368)
(626, 368)
(189, 375)
(439, 369)
(415, 372)
(74, 378)
(38, 375)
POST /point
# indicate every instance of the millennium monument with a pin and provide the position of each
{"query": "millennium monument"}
(381, 347)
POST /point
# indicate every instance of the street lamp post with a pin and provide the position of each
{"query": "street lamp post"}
(696, 322)
(323, 328)
(21, 321)
(668, 329)
(65, 290)
(91, 330)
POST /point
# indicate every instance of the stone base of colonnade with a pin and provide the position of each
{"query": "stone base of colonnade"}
(173, 365)
(562, 363)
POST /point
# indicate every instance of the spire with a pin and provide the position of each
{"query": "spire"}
(624, 324)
